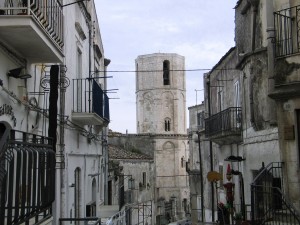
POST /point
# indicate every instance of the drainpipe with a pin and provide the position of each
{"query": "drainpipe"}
(104, 142)
(201, 177)
(271, 58)
(251, 100)
(61, 154)
(211, 152)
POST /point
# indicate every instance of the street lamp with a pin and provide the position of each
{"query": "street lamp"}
(196, 138)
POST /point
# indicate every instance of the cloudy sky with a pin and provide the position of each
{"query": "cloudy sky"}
(200, 30)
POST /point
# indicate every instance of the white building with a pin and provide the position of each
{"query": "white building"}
(52, 77)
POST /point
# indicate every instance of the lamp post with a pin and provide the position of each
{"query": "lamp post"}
(210, 148)
(197, 140)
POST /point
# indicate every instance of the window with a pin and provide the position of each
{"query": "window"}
(236, 94)
(166, 72)
(200, 120)
(96, 69)
(110, 193)
(79, 81)
(182, 161)
(199, 207)
(144, 179)
(167, 125)
(79, 63)
(286, 39)
(220, 100)
(237, 104)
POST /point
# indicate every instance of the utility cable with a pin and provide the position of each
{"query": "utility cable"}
(175, 70)
(29, 105)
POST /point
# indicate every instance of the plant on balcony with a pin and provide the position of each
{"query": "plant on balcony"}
(223, 213)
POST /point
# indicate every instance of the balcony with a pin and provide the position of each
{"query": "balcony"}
(27, 177)
(287, 22)
(225, 127)
(33, 28)
(90, 103)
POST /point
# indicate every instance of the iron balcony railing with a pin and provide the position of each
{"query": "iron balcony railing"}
(48, 14)
(27, 177)
(88, 97)
(87, 220)
(287, 31)
(268, 204)
(224, 123)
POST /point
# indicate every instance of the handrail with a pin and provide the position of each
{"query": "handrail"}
(286, 22)
(266, 170)
(228, 120)
(89, 97)
(268, 203)
(27, 185)
(4, 134)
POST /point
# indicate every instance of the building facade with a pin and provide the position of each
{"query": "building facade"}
(283, 58)
(198, 165)
(51, 54)
(251, 117)
(130, 185)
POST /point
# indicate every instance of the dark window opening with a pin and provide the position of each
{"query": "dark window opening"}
(110, 193)
(200, 120)
(167, 125)
(144, 179)
(166, 72)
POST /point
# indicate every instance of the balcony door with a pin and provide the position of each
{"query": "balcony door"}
(79, 94)
(237, 114)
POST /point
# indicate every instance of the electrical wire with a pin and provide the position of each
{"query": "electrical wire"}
(149, 71)
(67, 123)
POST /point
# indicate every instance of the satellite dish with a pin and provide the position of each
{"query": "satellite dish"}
(213, 176)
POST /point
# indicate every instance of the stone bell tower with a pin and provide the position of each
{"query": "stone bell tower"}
(160, 94)
(161, 116)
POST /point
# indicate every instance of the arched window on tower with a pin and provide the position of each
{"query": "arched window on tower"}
(167, 124)
(166, 72)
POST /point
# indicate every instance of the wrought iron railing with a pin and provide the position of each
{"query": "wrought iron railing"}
(27, 177)
(268, 204)
(226, 122)
(88, 97)
(287, 33)
(87, 220)
(48, 14)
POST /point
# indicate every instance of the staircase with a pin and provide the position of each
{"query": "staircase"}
(269, 206)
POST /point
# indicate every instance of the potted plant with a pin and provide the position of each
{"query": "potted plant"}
(223, 213)
(238, 218)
